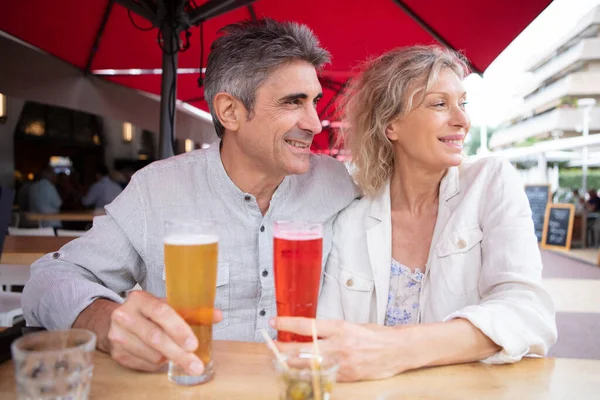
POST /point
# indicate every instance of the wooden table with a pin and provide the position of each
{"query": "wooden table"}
(244, 372)
(65, 216)
(27, 249)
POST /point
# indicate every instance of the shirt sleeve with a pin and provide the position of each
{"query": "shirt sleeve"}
(104, 262)
(92, 195)
(515, 311)
(54, 197)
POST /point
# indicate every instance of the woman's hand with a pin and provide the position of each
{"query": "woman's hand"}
(376, 352)
(362, 351)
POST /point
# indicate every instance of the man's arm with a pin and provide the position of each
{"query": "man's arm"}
(78, 285)
(100, 264)
(96, 318)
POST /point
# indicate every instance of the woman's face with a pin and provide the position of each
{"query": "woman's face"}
(433, 132)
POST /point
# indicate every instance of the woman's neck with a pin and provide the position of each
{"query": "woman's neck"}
(414, 188)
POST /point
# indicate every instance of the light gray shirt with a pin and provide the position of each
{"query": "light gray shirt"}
(44, 199)
(125, 247)
(102, 193)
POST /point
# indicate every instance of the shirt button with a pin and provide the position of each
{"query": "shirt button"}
(462, 244)
(262, 313)
(56, 255)
(349, 282)
(265, 273)
(262, 228)
(247, 197)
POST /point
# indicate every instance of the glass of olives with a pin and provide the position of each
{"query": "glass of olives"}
(306, 376)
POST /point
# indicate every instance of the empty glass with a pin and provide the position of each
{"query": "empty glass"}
(54, 365)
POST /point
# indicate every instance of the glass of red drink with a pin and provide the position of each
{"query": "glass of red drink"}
(297, 259)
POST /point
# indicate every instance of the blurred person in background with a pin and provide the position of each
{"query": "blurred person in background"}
(593, 202)
(103, 192)
(44, 198)
(71, 198)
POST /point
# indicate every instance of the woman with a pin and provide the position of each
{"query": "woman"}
(438, 263)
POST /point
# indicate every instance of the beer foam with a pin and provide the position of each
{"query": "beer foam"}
(187, 239)
(295, 235)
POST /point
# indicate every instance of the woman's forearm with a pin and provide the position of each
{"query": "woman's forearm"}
(443, 343)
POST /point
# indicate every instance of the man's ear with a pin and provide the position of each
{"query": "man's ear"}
(228, 110)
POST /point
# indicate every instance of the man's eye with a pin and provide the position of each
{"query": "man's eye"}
(441, 104)
(294, 101)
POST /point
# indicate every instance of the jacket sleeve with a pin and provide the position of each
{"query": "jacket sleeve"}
(107, 260)
(515, 311)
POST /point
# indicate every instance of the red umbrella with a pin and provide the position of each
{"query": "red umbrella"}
(118, 38)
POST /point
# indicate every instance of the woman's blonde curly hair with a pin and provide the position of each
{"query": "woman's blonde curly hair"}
(383, 91)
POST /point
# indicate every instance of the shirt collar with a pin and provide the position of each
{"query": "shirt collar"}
(219, 175)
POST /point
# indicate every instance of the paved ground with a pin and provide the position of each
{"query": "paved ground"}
(575, 288)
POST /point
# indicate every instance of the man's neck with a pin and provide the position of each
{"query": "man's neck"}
(247, 175)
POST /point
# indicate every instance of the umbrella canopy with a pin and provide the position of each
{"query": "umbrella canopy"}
(103, 37)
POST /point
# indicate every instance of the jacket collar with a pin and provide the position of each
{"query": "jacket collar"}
(450, 185)
(381, 204)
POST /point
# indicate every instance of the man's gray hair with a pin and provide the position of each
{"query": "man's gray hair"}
(241, 60)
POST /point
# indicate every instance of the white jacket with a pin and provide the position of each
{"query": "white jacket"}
(484, 264)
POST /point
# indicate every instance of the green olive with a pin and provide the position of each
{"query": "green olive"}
(299, 390)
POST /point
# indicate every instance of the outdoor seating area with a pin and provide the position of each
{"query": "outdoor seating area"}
(300, 200)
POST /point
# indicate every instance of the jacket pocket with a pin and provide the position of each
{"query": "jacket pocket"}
(356, 292)
(459, 255)
(222, 295)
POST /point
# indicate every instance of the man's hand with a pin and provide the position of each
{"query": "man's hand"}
(144, 333)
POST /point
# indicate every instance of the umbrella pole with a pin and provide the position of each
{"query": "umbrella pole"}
(168, 92)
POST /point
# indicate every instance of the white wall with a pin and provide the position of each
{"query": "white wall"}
(7, 157)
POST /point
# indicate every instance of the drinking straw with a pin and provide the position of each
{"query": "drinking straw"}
(273, 348)
(315, 364)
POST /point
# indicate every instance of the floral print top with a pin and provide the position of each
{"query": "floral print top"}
(403, 298)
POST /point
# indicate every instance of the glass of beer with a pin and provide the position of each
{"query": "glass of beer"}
(191, 259)
(297, 259)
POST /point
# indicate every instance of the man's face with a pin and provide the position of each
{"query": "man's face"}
(278, 135)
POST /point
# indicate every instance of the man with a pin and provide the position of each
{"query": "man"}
(262, 88)
(44, 198)
(103, 192)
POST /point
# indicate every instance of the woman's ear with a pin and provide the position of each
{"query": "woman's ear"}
(227, 110)
(391, 131)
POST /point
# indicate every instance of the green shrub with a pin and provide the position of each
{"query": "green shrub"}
(571, 178)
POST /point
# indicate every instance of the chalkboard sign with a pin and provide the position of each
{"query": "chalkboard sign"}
(539, 197)
(558, 226)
